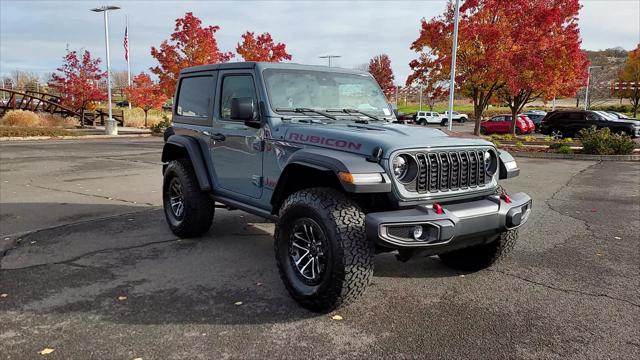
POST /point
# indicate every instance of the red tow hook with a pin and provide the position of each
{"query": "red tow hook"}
(504, 196)
(438, 208)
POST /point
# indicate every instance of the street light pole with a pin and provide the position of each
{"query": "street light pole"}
(453, 62)
(586, 93)
(110, 126)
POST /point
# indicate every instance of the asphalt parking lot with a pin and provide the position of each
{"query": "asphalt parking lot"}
(91, 270)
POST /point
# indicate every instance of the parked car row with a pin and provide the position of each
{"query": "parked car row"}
(501, 124)
(568, 123)
(431, 117)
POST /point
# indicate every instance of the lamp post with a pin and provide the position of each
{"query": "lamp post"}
(453, 62)
(329, 57)
(110, 126)
(586, 93)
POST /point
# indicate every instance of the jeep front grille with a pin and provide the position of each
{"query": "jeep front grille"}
(450, 170)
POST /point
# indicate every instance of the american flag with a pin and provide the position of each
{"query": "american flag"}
(126, 43)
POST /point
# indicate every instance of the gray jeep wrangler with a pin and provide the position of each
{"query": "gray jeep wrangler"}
(315, 150)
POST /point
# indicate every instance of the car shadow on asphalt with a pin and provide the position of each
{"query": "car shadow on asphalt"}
(131, 269)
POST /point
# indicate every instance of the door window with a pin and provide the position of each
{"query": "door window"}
(235, 86)
(194, 96)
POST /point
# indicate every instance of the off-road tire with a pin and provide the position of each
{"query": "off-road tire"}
(199, 208)
(349, 262)
(482, 256)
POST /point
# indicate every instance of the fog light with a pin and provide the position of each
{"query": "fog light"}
(417, 232)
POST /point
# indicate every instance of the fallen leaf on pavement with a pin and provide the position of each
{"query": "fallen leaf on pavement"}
(259, 284)
(3, 295)
(121, 298)
(617, 237)
(237, 303)
(337, 317)
(46, 351)
(462, 275)
(137, 359)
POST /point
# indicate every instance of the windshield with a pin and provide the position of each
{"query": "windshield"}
(606, 115)
(324, 90)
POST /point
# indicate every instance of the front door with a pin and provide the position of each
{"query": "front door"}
(236, 149)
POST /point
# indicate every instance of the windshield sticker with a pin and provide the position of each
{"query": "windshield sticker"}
(386, 111)
(337, 143)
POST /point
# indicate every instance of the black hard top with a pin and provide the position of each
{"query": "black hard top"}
(266, 65)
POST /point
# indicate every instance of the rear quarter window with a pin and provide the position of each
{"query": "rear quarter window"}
(194, 97)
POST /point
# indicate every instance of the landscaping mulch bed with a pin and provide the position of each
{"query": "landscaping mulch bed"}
(17, 131)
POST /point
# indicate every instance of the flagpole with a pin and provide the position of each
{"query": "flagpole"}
(128, 57)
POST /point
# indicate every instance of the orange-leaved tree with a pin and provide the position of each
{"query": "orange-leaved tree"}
(261, 48)
(145, 94)
(190, 44)
(629, 80)
(483, 45)
(380, 68)
(77, 82)
(544, 58)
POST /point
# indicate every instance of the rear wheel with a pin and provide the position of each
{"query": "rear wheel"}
(322, 252)
(483, 131)
(188, 210)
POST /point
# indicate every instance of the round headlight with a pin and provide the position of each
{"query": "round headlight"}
(404, 168)
(490, 163)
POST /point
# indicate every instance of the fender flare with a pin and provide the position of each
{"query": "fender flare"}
(179, 145)
(339, 161)
(508, 166)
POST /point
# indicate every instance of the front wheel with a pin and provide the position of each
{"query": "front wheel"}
(556, 134)
(322, 252)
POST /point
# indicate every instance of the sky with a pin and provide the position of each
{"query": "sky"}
(34, 35)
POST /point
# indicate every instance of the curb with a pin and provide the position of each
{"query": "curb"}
(633, 157)
(81, 137)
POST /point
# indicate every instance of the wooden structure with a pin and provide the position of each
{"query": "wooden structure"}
(42, 102)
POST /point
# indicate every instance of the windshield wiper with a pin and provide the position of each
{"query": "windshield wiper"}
(354, 111)
(306, 110)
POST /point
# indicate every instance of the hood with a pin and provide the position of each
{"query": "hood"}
(363, 138)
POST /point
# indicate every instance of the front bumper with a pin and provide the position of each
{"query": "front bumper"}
(461, 224)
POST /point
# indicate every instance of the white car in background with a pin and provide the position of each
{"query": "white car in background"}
(456, 116)
(427, 117)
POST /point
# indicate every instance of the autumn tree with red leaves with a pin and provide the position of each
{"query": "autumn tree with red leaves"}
(380, 68)
(190, 44)
(77, 82)
(145, 94)
(498, 44)
(629, 78)
(261, 48)
(556, 66)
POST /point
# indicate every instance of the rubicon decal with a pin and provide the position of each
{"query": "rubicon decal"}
(337, 143)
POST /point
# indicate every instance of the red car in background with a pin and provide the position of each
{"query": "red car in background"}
(501, 124)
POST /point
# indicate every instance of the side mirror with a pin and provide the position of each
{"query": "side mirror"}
(242, 108)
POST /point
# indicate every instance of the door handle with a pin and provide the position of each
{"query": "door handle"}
(218, 137)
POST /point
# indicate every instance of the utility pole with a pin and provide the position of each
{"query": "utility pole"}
(452, 82)
(110, 126)
(329, 57)
(586, 93)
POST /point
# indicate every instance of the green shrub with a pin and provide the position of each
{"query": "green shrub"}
(621, 144)
(561, 148)
(519, 144)
(595, 141)
(567, 140)
(508, 137)
(619, 108)
(495, 137)
(603, 142)
(529, 138)
(162, 125)
(548, 139)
